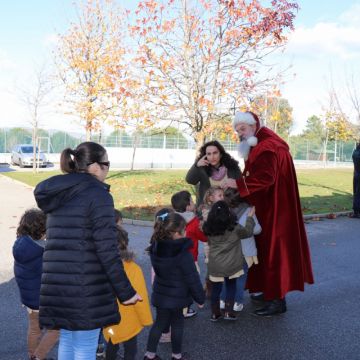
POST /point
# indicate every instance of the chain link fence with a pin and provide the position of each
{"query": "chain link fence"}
(55, 141)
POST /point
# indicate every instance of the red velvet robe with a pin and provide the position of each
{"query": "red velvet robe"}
(269, 183)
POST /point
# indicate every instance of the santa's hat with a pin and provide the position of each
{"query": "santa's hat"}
(246, 117)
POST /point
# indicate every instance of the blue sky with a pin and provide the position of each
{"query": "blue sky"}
(327, 36)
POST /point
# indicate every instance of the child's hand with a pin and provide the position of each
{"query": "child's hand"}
(200, 306)
(133, 300)
(252, 211)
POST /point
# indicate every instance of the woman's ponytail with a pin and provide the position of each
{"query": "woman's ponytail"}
(67, 161)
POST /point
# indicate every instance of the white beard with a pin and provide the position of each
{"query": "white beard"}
(245, 146)
(244, 149)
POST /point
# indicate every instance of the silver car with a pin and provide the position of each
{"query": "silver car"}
(23, 155)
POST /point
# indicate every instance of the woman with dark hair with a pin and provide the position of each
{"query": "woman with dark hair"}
(212, 167)
(83, 274)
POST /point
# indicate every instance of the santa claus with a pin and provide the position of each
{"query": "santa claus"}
(269, 183)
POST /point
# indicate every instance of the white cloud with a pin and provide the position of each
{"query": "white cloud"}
(321, 53)
(326, 39)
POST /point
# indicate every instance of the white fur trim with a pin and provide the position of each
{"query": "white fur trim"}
(252, 140)
(243, 117)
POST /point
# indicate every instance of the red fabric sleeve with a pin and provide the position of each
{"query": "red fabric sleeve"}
(198, 234)
(260, 175)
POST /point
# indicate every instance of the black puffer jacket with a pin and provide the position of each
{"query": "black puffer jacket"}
(82, 270)
(177, 281)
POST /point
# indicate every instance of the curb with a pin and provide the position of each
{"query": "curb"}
(138, 222)
(332, 215)
(18, 182)
(135, 222)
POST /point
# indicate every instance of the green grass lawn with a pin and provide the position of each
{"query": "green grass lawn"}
(139, 193)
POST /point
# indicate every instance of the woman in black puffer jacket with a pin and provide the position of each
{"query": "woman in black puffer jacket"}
(82, 270)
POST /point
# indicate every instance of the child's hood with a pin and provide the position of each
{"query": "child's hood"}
(25, 249)
(168, 251)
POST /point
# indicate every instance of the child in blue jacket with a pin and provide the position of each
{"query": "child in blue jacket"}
(28, 251)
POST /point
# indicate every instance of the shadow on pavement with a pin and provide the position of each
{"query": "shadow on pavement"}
(4, 167)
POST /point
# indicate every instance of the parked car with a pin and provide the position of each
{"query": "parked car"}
(23, 155)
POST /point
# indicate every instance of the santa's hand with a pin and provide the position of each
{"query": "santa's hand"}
(252, 211)
(202, 162)
(229, 183)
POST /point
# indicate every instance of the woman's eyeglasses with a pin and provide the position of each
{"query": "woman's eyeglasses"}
(105, 163)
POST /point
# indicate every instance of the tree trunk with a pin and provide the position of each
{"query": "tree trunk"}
(88, 130)
(200, 139)
(34, 141)
(135, 144)
(325, 148)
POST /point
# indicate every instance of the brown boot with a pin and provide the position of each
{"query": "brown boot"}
(215, 312)
(229, 313)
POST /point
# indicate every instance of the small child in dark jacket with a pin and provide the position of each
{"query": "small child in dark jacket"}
(226, 259)
(176, 281)
(28, 251)
(184, 205)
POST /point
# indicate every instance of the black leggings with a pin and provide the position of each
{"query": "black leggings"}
(217, 287)
(130, 349)
(164, 318)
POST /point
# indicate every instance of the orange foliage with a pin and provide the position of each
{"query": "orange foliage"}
(198, 57)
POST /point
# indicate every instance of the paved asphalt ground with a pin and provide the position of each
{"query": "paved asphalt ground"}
(322, 323)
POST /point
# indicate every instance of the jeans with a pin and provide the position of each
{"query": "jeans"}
(130, 349)
(240, 287)
(164, 317)
(78, 345)
(39, 343)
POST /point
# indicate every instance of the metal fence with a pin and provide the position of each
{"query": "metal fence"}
(55, 141)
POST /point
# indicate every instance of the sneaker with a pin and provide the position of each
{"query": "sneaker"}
(184, 356)
(165, 338)
(190, 313)
(222, 304)
(238, 306)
